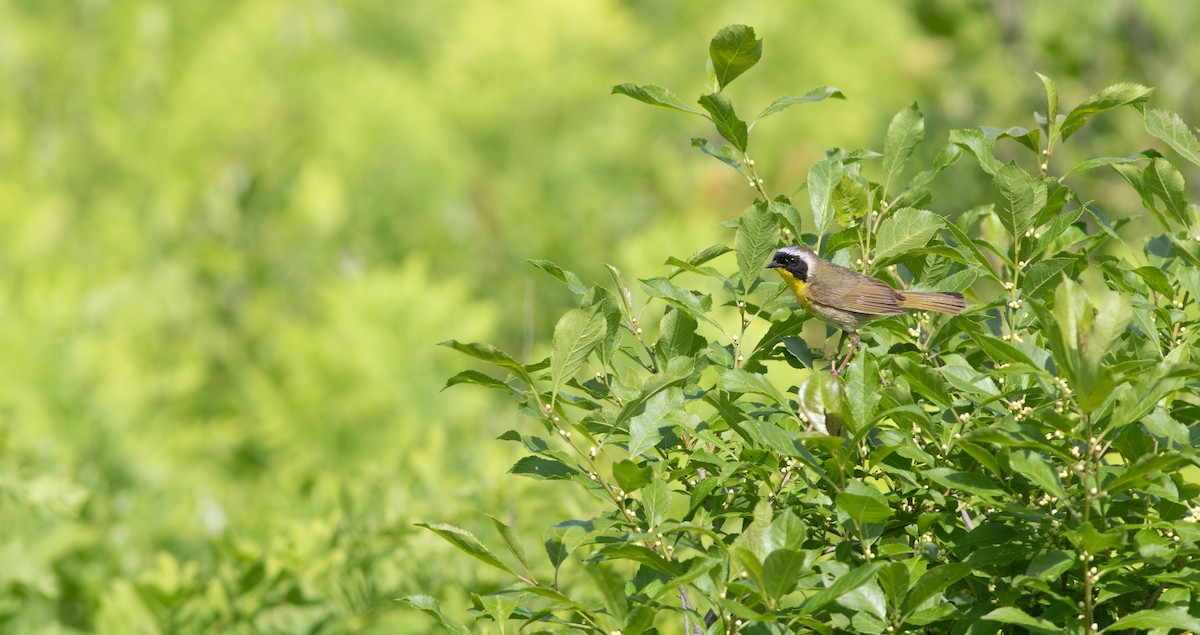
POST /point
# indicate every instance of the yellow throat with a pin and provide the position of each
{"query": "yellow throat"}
(795, 284)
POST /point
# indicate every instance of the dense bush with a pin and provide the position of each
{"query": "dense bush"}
(1025, 465)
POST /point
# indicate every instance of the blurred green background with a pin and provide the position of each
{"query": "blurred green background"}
(231, 235)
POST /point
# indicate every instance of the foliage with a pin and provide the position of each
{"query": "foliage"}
(1022, 465)
(234, 232)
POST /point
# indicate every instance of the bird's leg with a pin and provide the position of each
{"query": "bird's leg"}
(854, 344)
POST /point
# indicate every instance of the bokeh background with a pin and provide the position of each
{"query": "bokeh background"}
(231, 234)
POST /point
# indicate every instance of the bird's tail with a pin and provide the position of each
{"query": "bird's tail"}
(940, 301)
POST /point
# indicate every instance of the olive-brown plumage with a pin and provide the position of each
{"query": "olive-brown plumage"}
(846, 298)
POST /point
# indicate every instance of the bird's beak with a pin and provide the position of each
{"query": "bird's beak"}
(773, 265)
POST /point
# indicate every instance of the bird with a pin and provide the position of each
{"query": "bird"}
(848, 299)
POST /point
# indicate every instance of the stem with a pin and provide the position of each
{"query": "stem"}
(755, 181)
(1091, 476)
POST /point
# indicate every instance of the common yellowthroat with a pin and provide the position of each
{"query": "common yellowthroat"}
(846, 298)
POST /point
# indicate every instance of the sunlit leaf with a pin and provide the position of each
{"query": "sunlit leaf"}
(468, 543)
(904, 134)
(653, 95)
(1169, 127)
(1110, 97)
(729, 126)
(905, 229)
(823, 176)
(733, 51)
(756, 238)
(1019, 196)
(576, 335)
(812, 96)
(429, 606)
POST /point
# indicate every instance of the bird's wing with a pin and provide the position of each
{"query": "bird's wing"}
(855, 292)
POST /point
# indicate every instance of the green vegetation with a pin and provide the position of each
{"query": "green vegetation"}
(234, 232)
(1016, 466)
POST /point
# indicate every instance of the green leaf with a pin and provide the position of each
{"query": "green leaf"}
(563, 539)
(1038, 469)
(905, 229)
(558, 273)
(863, 503)
(1097, 162)
(733, 51)
(904, 133)
(1169, 127)
(511, 540)
(895, 579)
(626, 294)
(576, 335)
(1165, 182)
(755, 241)
(645, 429)
(1013, 615)
(1168, 618)
(999, 350)
(542, 468)
(429, 606)
(1156, 280)
(1051, 103)
(786, 531)
(730, 128)
(812, 96)
(611, 582)
(1136, 474)
(823, 176)
(1019, 196)
(781, 570)
(694, 305)
(924, 380)
(867, 601)
(653, 95)
(1095, 541)
(782, 208)
(1042, 276)
(980, 147)
(844, 584)
(946, 157)
(851, 201)
(499, 606)
(861, 393)
(738, 380)
(468, 543)
(677, 370)
(676, 335)
(819, 399)
(631, 476)
(477, 378)
(1112, 318)
(559, 600)
(656, 498)
(1111, 97)
(701, 256)
(750, 564)
(724, 154)
(1024, 136)
(1160, 424)
(1056, 228)
(492, 355)
(970, 250)
(1051, 564)
(972, 482)
(933, 582)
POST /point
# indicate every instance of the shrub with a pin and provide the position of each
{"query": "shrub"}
(1022, 466)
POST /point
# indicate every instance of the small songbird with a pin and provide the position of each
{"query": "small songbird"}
(846, 298)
